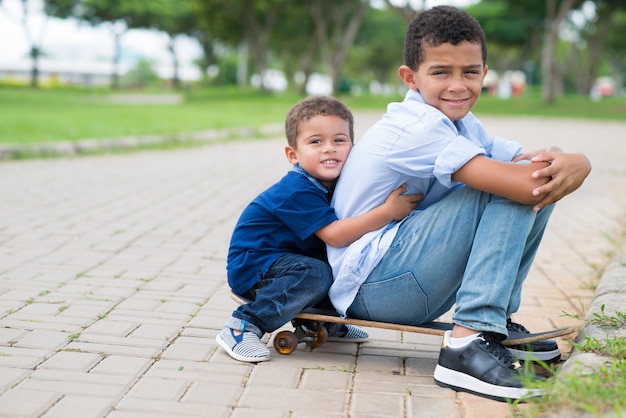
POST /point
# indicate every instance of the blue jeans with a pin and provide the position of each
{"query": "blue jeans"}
(471, 248)
(293, 282)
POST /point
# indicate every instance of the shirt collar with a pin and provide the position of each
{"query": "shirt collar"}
(298, 169)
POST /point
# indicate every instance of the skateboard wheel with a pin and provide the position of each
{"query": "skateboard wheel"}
(285, 342)
(321, 336)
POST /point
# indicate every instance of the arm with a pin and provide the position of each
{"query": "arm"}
(511, 180)
(345, 231)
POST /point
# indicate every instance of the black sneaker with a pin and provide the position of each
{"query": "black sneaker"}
(544, 350)
(483, 367)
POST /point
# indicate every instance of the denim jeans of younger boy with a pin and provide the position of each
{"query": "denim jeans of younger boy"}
(293, 282)
(471, 248)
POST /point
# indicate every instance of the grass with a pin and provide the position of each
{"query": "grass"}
(35, 116)
(599, 393)
(30, 116)
(575, 107)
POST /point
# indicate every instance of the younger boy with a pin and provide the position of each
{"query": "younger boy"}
(473, 239)
(277, 256)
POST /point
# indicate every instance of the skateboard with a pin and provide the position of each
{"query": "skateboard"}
(310, 329)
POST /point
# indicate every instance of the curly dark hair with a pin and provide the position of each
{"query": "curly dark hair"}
(437, 26)
(315, 106)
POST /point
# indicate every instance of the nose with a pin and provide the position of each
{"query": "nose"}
(457, 84)
(329, 146)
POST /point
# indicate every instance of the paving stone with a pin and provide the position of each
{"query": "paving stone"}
(10, 376)
(125, 365)
(21, 402)
(71, 360)
(85, 406)
(44, 339)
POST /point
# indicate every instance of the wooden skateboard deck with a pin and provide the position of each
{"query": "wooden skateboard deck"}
(314, 320)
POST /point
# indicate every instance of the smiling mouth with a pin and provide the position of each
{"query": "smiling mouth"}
(455, 101)
(330, 162)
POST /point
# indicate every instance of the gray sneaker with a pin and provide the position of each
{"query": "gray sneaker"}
(243, 347)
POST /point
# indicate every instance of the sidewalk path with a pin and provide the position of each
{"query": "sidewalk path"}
(112, 287)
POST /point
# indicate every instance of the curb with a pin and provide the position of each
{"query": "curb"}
(608, 299)
(129, 143)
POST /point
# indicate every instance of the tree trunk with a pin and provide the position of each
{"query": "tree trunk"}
(335, 43)
(171, 47)
(34, 71)
(115, 67)
(551, 74)
(595, 49)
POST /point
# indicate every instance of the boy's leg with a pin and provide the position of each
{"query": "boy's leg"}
(423, 268)
(470, 239)
(473, 249)
(505, 244)
(293, 282)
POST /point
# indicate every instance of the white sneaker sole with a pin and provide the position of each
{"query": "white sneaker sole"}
(463, 382)
(236, 356)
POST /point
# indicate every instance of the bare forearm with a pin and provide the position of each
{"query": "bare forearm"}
(345, 231)
(510, 180)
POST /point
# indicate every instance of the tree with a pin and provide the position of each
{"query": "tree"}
(294, 40)
(616, 49)
(173, 17)
(406, 8)
(243, 22)
(586, 59)
(336, 26)
(115, 14)
(556, 12)
(509, 22)
(514, 34)
(35, 42)
(378, 47)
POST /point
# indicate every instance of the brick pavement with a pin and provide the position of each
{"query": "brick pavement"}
(112, 287)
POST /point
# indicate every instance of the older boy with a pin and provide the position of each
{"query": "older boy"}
(476, 232)
(277, 254)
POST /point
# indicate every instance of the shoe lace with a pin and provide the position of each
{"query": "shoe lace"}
(514, 326)
(493, 344)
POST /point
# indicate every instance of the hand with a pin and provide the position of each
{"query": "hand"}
(532, 154)
(401, 205)
(566, 173)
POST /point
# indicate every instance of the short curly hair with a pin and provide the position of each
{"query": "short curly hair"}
(437, 26)
(312, 106)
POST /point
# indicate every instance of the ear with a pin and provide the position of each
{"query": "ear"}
(485, 70)
(291, 154)
(407, 75)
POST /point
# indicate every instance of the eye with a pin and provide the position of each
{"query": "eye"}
(341, 139)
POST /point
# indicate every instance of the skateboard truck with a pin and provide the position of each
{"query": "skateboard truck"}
(313, 333)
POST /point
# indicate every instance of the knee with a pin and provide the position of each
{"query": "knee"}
(318, 274)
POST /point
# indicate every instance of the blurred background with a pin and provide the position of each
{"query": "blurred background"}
(333, 46)
(190, 50)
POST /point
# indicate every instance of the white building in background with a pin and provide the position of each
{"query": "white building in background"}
(82, 73)
(59, 72)
(77, 53)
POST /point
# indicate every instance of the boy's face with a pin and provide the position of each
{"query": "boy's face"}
(323, 144)
(450, 77)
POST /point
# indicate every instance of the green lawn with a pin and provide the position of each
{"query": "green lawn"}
(30, 116)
